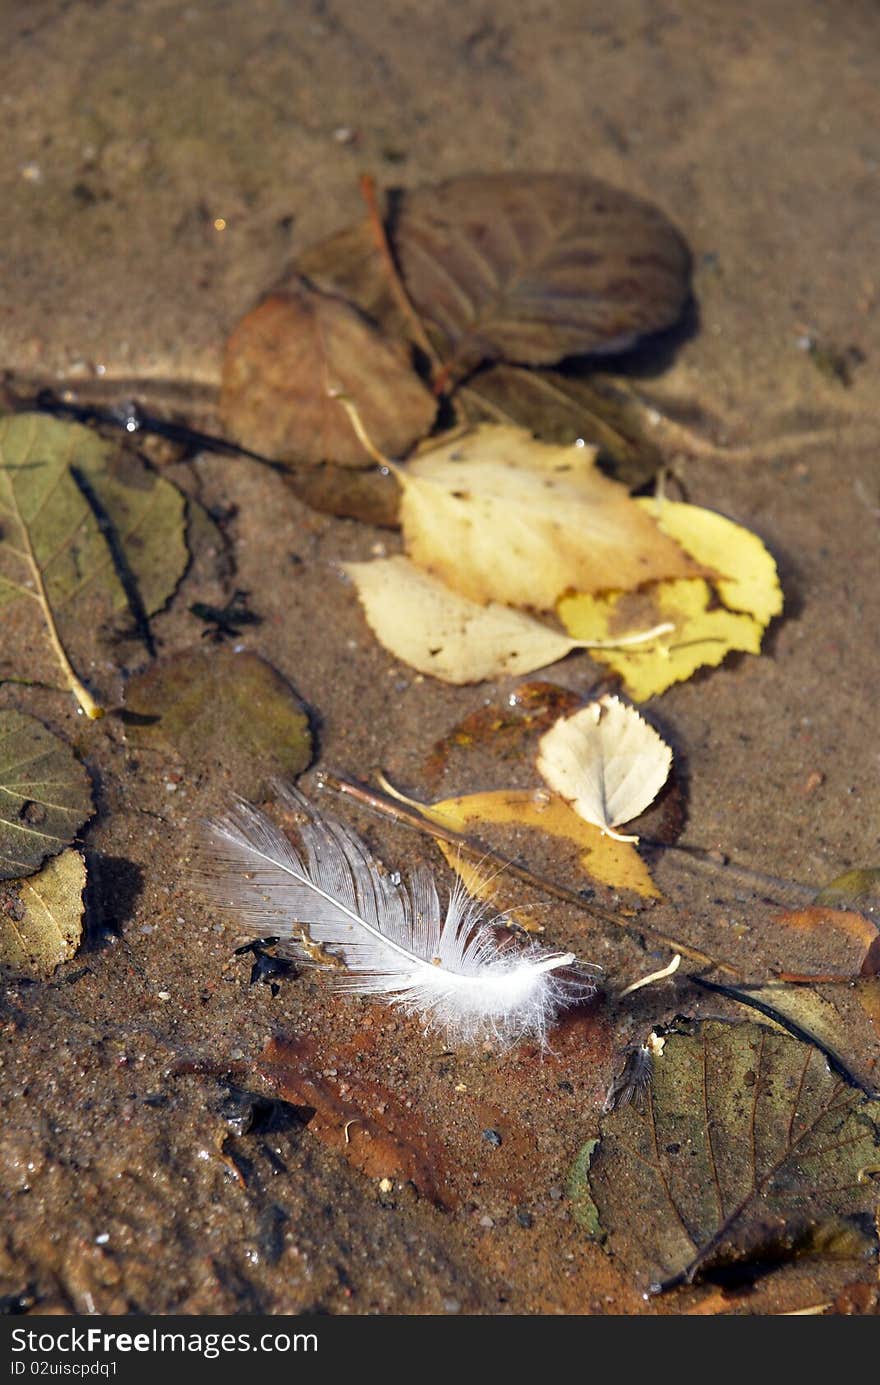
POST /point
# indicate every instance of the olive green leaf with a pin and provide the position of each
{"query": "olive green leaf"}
(746, 1148)
(41, 917)
(222, 712)
(45, 794)
(86, 531)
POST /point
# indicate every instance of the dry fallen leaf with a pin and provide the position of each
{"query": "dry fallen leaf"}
(41, 916)
(607, 762)
(499, 516)
(283, 358)
(424, 624)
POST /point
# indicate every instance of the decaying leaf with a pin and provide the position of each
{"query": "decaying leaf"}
(534, 267)
(561, 409)
(45, 794)
(604, 858)
(704, 632)
(359, 1119)
(41, 916)
(745, 1149)
(222, 712)
(86, 532)
(421, 622)
(286, 355)
(607, 762)
(499, 516)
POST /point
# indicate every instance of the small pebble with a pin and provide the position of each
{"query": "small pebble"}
(487, 1221)
(492, 1138)
(555, 1193)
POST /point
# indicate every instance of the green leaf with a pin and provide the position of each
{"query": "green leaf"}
(222, 711)
(583, 1208)
(45, 794)
(85, 531)
(41, 917)
(745, 1149)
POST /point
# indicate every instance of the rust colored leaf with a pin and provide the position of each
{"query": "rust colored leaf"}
(359, 1119)
(285, 356)
(535, 267)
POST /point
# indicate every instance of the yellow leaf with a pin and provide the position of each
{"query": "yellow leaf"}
(603, 858)
(700, 635)
(499, 516)
(435, 630)
(749, 580)
(703, 632)
(41, 916)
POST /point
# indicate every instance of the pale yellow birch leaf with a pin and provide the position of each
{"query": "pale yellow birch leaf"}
(607, 762)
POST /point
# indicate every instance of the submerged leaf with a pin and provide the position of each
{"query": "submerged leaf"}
(702, 634)
(744, 1148)
(284, 358)
(41, 917)
(603, 858)
(563, 408)
(499, 516)
(607, 761)
(45, 794)
(222, 711)
(438, 632)
(85, 531)
(704, 630)
(534, 267)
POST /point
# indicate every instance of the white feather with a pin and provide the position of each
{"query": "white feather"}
(393, 938)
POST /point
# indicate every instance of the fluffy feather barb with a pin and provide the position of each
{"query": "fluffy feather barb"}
(393, 938)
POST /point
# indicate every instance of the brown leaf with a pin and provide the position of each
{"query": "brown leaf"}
(535, 267)
(283, 358)
(358, 1118)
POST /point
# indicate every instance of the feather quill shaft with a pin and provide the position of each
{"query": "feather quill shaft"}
(394, 940)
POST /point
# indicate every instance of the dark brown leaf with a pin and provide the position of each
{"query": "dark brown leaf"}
(535, 267)
(283, 358)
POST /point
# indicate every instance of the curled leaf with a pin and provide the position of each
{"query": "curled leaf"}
(41, 916)
(607, 761)
(499, 516)
(45, 794)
